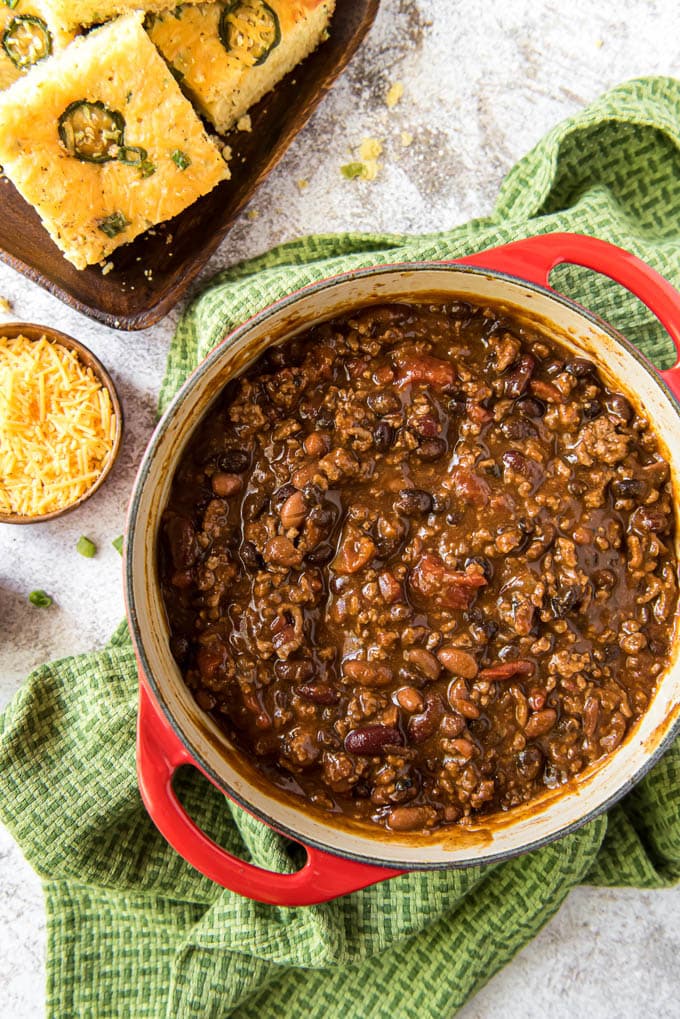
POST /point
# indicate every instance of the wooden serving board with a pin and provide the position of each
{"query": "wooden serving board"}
(150, 275)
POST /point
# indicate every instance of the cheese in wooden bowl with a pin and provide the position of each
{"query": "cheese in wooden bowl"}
(60, 423)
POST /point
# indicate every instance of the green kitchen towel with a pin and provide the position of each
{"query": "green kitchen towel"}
(133, 931)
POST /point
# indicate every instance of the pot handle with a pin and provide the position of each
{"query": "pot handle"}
(533, 259)
(323, 877)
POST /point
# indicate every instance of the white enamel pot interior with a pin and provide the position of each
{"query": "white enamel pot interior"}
(492, 838)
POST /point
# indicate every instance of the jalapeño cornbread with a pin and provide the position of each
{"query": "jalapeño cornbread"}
(101, 141)
(27, 36)
(228, 55)
(71, 14)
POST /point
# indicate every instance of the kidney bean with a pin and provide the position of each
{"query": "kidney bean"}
(233, 461)
(460, 663)
(383, 436)
(422, 726)
(182, 540)
(319, 693)
(468, 709)
(530, 469)
(322, 554)
(413, 502)
(390, 588)
(372, 739)
(581, 368)
(540, 723)
(529, 407)
(282, 551)
(506, 670)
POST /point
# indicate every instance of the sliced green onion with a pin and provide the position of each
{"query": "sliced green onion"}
(40, 599)
(86, 547)
(118, 544)
(352, 170)
(180, 159)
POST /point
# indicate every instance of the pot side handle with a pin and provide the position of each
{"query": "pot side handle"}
(323, 877)
(534, 259)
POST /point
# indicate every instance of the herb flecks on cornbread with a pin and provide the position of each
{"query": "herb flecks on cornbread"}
(27, 36)
(90, 139)
(227, 56)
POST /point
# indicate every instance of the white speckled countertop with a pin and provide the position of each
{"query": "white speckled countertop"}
(483, 82)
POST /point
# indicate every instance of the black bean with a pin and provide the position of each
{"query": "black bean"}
(372, 739)
(565, 601)
(384, 402)
(530, 761)
(581, 367)
(628, 488)
(383, 436)
(517, 428)
(530, 407)
(431, 449)
(517, 380)
(591, 410)
(233, 461)
(250, 557)
(179, 648)
(281, 494)
(619, 407)
(294, 670)
(413, 502)
(552, 368)
(322, 554)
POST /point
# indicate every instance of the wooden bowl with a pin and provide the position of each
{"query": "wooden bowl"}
(35, 332)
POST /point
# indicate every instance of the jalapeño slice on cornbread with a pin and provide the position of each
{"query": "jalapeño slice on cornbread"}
(101, 141)
(27, 36)
(227, 55)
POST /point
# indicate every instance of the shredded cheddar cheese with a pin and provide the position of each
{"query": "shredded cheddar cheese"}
(57, 426)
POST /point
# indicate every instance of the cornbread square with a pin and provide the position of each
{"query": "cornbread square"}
(227, 56)
(101, 141)
(73, 13)
(28, 35)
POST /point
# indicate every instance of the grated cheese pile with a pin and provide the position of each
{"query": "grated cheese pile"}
(57, 426)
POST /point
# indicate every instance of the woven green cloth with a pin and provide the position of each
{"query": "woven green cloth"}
(133, 931)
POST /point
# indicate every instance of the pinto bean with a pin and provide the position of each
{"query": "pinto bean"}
(372, 739)
(460, 663)
(293, 511)
(540, 723)
(424, 662)
(367, 673)
(464, 747)
(413, 502)
(410, 818)
(409, 699)
(224, 485)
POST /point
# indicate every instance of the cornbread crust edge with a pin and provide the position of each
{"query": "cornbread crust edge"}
(222, 85)
(118, 66)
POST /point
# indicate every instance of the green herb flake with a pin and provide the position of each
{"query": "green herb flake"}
(147, 168)
(118, 544)
(352, 170)
(113, 225)
(180, 159)
(86, 547)
(10, 3)
(40, 599)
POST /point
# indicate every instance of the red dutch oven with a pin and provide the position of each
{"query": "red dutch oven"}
(172, 729)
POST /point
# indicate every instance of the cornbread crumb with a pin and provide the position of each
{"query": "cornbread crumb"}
(599, 43)
(244, 123)
(370, 151)
(394, 94)
(106, 268)
(303, 184)
(226, 153)
(406, 138)
(252, 214)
